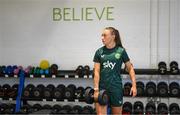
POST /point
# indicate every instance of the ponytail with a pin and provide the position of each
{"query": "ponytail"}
(117, 36)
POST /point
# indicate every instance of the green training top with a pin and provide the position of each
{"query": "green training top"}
(110, 65)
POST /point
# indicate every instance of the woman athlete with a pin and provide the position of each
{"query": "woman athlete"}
(107, 65)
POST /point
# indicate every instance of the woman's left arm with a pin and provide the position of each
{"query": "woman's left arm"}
(130, 69)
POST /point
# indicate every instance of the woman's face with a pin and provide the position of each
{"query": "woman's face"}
(107, 37)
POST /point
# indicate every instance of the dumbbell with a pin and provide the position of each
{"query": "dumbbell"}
(127, 89)
(79, 93)
(77, 109)
(26, 109)
(80, 71)
(65, 109)
(3, 68)
(174, 89)
(38, 91)
(31, 72)
(48, 91)
(162, 109)
(140, 88)
(70, 92)
(138, 108)
(13, 91)
(6, 88)
(162, 68)
(44, 72)
(37, 72)
(150, 108)
(59, 92)
(10, 109)
(36, 107)
(9, 70)
(41, 72)
(174, 67)
(162, 89)
(150, 89)
(127, 108)
(102, 98)
(3, 107)
(27, 70)
(87, 110)
(53, 69)
(86, 70)
(56, 108)
(7, 108)
(1, 91)
(28, 91)
(17, 70)
(47, 106)
(174, 109)
(1, 71)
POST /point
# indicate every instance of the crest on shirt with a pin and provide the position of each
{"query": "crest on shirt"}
(117, 55)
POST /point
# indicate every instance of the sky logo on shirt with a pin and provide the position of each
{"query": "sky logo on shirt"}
(109, 64)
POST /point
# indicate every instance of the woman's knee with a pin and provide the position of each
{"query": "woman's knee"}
(100, 109)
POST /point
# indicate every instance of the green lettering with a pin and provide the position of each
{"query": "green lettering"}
(109, 12)
(75, 19)
(57, 14)
(66, 14)
(82, 13)
(88, 13)
(99, 17)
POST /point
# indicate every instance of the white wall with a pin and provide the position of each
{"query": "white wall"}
(165, 30)
(0, 46)
(149, 30)
(0, 41)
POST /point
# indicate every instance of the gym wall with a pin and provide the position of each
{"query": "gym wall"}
(149, 29)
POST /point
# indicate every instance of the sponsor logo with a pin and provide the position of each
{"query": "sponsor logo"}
(109, 64)
(102, 56)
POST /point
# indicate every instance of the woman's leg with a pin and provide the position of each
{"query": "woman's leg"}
(116, 110)
(101, 110)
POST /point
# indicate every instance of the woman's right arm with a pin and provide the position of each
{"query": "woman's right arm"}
(96, 76)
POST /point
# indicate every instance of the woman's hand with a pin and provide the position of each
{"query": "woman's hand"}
(130, 69)
(133, 91)
(96, 93)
